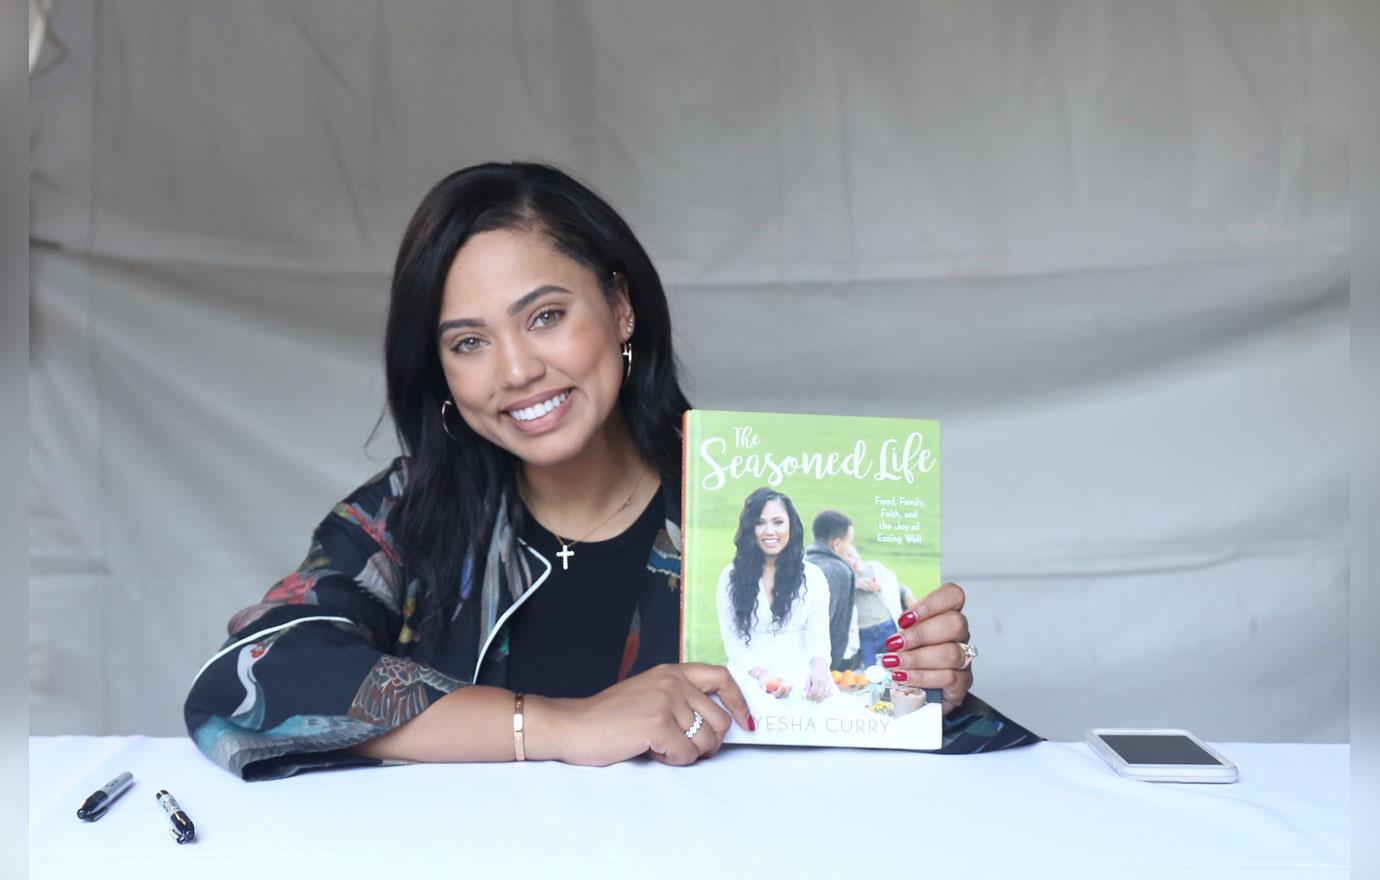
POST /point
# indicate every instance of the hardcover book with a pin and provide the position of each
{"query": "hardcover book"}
(805, 538)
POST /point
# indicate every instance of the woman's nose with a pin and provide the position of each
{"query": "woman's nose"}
(521, 365)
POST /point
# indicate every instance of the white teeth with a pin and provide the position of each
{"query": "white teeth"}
(540, 409)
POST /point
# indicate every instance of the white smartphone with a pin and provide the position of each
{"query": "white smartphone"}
(1161, 755)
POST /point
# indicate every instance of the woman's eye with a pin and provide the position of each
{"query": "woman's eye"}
(547, 317)
(466, 344)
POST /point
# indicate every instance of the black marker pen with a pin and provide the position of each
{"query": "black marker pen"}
(95, 806)
(182, 829)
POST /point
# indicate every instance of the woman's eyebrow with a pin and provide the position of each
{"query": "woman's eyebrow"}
(527, 299)
(518, 305)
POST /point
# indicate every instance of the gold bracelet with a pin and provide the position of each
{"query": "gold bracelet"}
(518, 750)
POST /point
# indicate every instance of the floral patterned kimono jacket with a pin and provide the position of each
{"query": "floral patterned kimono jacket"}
(330, 658)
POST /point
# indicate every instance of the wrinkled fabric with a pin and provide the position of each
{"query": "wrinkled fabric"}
(1106, 244)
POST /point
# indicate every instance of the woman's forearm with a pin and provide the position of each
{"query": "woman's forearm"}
(473, 723)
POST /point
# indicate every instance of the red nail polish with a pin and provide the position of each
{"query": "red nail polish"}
(752, 725)
(907, 620)
(895, 643)
(891, 661)
(898, 675)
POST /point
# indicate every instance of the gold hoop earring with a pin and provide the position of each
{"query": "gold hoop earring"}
(444, 427)
(627, 360)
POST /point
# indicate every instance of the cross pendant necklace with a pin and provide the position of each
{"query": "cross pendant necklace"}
(566, 553)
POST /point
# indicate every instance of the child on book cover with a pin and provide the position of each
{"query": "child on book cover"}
(880, 599)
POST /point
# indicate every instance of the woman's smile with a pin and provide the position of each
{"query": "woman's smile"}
(543, 412)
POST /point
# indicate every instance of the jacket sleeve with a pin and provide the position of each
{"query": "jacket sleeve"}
(974, 726)
(315, 667)
(840, 579)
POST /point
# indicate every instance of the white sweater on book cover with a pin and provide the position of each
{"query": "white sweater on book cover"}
(785, 651)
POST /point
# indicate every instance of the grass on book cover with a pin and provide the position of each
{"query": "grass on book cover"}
(800, 622)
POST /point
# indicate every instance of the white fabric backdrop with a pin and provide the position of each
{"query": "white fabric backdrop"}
(1106, 244)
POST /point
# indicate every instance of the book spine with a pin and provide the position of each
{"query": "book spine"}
(686, 439)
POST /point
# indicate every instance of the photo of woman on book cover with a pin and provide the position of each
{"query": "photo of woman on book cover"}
(774, 605)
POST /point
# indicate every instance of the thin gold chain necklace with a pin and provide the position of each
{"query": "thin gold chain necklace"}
(566, 553)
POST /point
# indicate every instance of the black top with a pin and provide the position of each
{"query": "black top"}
(567, 639)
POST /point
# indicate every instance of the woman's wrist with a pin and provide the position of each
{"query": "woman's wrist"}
(544, 724)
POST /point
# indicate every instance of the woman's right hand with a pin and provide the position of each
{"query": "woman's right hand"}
(646, 714)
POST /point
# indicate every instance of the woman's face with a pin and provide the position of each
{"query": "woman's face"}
(530, 346)
(773, 529)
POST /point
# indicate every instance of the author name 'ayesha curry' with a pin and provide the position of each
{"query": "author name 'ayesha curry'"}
(896, 460)
(873, 724)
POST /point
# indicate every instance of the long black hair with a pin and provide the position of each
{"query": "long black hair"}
(748, 560)
(455, 485)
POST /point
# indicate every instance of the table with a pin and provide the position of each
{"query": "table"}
(1049, 810)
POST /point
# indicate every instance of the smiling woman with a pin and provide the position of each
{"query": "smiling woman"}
(539, 374)
(533, 388)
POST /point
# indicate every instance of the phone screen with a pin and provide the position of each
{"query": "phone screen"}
(1157, 749)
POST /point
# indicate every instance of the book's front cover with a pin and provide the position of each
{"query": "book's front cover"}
(793, 617)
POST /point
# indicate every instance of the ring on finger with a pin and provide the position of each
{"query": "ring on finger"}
(694, 727)
(969, 655)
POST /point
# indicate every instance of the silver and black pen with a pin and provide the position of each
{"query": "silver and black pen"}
(94, 807)
(182, 829)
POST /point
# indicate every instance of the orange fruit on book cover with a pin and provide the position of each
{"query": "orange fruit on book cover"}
(773, 685)
(838, 675)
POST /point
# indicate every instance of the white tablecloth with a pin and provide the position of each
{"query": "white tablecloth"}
(1051, 810)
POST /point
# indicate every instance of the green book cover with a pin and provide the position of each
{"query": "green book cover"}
(805, 537)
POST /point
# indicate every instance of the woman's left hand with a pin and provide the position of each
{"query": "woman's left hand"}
(926, 652)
